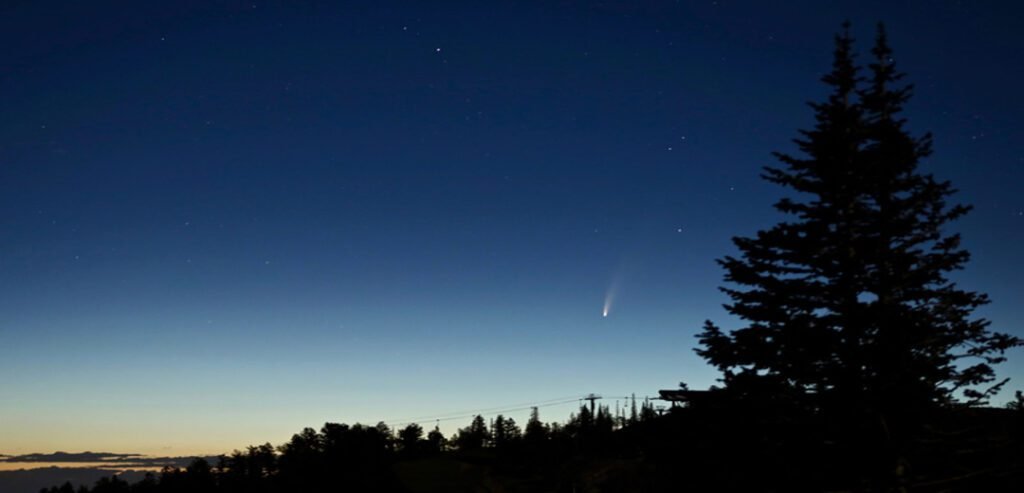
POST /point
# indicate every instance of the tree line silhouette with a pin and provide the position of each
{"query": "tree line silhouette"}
(724, 443)
(341, 457)
(861, 365)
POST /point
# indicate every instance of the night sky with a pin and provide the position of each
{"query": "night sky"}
(225, 221)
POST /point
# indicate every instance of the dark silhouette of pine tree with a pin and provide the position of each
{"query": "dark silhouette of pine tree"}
(604, 422)
(473, 437)
(504, 431)
(409, 438)
(113, 484)
(67, 487)
(436, 442)
(848, 304)
(536, 431)
(647, 412)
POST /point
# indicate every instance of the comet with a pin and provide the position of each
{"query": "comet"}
(609, 296)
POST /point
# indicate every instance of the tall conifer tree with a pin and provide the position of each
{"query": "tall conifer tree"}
(848, 303)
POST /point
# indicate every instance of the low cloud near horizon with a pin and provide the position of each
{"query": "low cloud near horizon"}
(112, 458)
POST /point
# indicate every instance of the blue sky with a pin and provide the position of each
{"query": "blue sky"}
(223, 223)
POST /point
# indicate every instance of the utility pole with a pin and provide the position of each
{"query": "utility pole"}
(592, 398)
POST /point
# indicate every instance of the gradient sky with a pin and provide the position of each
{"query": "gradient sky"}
(225, 221)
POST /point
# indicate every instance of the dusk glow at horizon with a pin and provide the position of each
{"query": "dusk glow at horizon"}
(225, 222)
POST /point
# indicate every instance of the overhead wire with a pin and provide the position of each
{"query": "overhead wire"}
(436, 418)
(490, 410)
